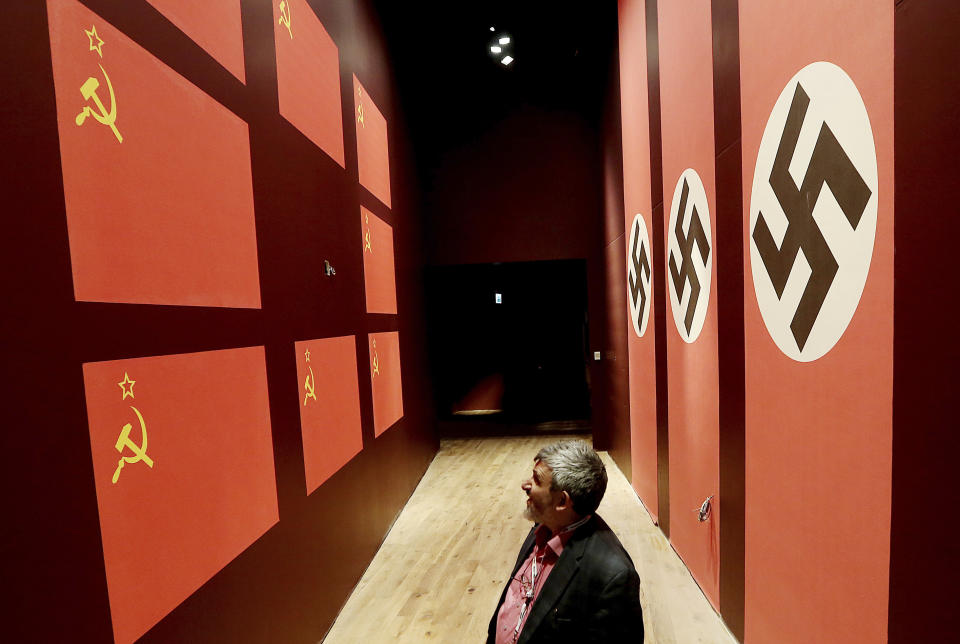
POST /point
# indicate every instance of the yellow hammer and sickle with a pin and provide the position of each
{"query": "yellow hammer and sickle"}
(285, 16)
(308, 386)
(139, 451)
(89, 90)
(366, 241)
(376, 364)
(360, 115)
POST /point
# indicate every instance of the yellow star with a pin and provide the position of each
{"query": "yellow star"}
(307, 354)
(126, 386)
(92, 35)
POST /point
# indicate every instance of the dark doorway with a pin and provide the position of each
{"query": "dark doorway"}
(509, 347)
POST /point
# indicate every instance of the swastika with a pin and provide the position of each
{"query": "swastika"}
(830, 165)
(687, 272)
(640, 263)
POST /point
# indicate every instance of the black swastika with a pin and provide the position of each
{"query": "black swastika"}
(829, 164)
(640, 263)
(687, 272)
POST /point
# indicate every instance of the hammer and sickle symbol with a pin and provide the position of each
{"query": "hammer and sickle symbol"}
(285, 16)
(376, 360)
(366, 241)
(139, 451)
(89, 91)
(308, 385)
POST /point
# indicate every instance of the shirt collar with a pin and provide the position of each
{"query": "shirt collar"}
(555, 542)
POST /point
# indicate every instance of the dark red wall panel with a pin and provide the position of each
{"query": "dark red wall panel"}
(923, 539)
(301, 207)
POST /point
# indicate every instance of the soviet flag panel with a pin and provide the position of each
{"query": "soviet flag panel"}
(215, 25)
(329, 407)
(184, 473)
(308, 76)
(379, 274)
(635, 117)
(385, 380)
(156, 175)
(817, 114)
(373, 154)
(686, 96)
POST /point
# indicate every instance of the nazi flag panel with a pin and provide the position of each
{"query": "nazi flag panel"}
(817, 115)
(330, 410)
(686, 98)
(156, 174)
(183, 468)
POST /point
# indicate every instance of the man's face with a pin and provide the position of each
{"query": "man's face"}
(541, 501)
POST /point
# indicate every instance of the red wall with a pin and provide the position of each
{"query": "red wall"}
(289, 583)
(812, 438)
(686, 98)
(638, 200)
(827, 456)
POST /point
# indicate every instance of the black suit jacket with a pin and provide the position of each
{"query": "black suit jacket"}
(591, 595)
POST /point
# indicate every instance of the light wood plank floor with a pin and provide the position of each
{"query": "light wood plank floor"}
(438, 575)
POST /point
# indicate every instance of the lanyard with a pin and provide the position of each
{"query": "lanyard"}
(528, 595)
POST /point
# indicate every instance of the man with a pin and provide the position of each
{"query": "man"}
(573, 581)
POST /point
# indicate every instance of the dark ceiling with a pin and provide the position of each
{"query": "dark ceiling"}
(453, 90)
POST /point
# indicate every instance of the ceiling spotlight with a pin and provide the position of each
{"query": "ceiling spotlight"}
(505, 40)
(496, 49)
(507, 60)
(491, 28)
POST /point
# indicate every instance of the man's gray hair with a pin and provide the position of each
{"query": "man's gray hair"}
(578, 471)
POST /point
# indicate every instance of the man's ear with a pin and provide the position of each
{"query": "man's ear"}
(565, 502)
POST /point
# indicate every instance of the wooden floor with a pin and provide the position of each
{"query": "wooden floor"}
(439, 573)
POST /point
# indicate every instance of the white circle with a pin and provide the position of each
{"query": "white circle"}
(639, 260)
(694, 276)
(834, 119)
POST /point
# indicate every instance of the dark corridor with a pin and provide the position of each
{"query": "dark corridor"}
(513, 366)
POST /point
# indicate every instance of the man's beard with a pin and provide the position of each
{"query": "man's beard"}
(529, 514)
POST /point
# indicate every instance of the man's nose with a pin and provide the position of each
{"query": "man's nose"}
(525, 485)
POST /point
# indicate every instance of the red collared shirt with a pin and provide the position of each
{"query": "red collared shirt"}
(526, 584)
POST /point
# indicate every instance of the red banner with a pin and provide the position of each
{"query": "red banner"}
(330, 409)
(215, 25)
(379, 274)
(818, 221)
(308, 75)
(638, 228)
(385, 380)
(156, 175)
(686, 98)
(373, 154)
(183, 467)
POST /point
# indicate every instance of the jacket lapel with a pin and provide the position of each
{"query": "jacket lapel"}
(524, 551)
(563, 571)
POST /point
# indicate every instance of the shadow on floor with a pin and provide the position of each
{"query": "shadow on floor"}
(495, 425)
